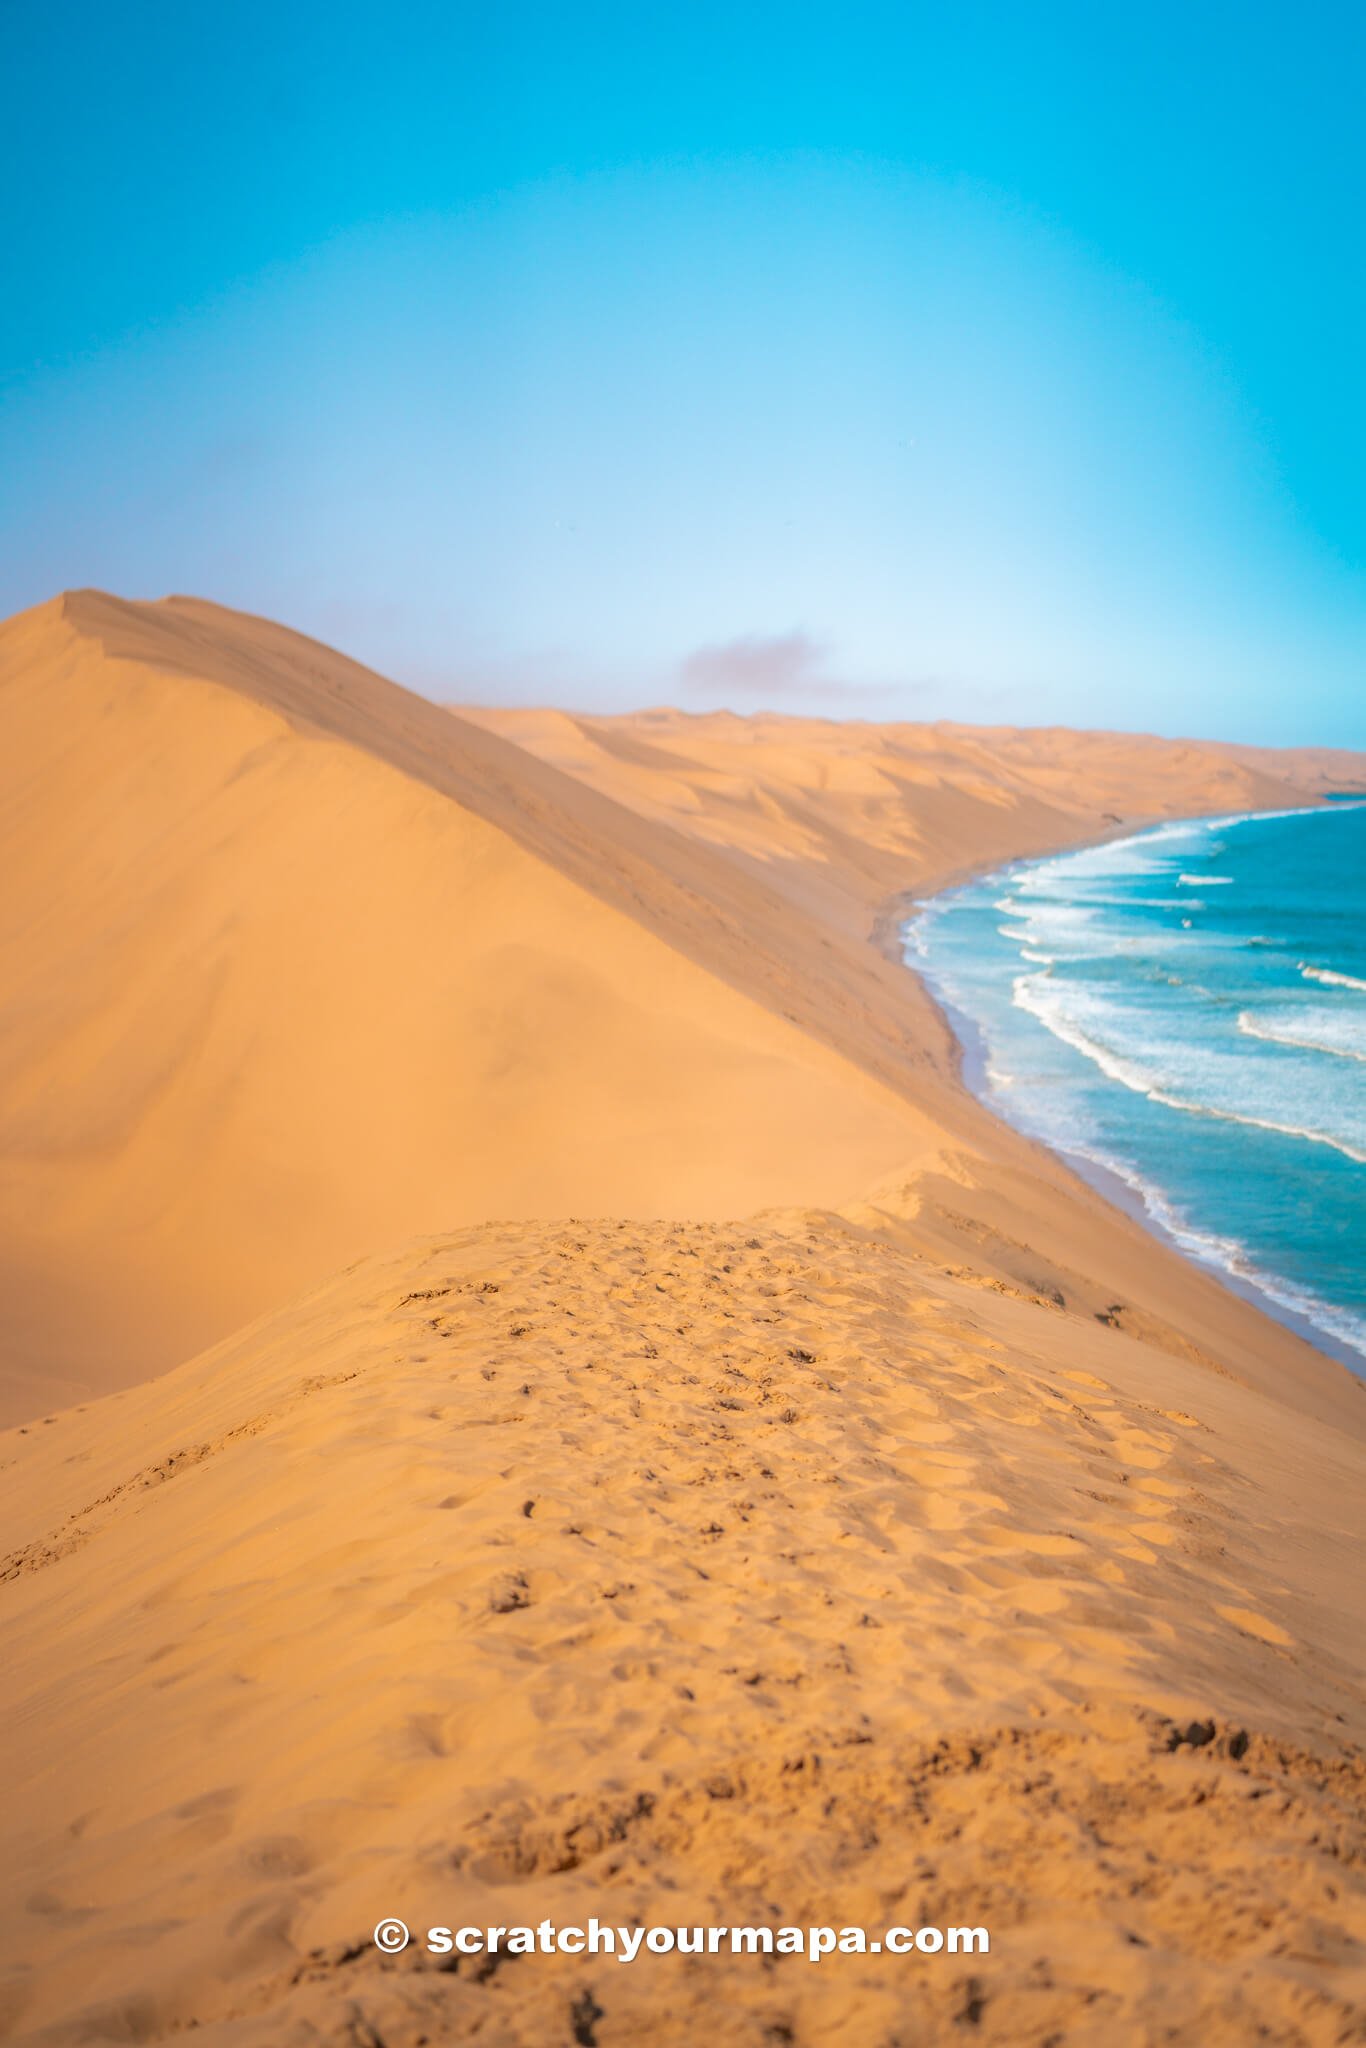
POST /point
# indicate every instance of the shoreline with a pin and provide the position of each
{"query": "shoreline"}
(1112, 1185)
(693, 897)
(564, 1300)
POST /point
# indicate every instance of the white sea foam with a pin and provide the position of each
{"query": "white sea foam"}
(1307, 1029)
(1228, 1254)
(1224, 1253)
(1163, 1073)
(1151, 902)
(1194, 1065)
(1329, 976)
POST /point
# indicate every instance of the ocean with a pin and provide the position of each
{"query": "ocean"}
(1186, 1009)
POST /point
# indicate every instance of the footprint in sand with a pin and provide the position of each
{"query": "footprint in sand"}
(1141, 1449)
(1256, 1625)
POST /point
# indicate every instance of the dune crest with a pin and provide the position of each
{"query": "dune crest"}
(275, 1001)
(302, 964)
(931, 1547)
(690, 1574)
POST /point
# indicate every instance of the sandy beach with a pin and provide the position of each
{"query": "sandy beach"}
(535, 1390)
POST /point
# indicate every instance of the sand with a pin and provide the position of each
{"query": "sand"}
(838, 1564)
(275, 1003)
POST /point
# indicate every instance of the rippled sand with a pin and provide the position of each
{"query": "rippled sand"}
(930, 1545)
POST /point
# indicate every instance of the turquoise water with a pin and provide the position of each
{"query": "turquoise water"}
(1187, 1009)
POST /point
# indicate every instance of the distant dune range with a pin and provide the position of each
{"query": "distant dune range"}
(850, 1518)
(298, 965)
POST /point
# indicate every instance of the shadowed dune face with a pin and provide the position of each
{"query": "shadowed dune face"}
(960, 1558)
(862, 812)
(272, 1002)
(298, 964)
(690, 1574)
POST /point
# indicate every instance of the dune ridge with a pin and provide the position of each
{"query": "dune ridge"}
(276, 1001)
(681, 1573)
(930, 1545)
(302, 964)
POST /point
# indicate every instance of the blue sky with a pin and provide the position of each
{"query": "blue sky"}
(984, 361)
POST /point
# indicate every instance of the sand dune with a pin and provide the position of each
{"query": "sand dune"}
(698, 1574)
(275, 1002)
(930, 1546)
(875, 811)
(301, 964)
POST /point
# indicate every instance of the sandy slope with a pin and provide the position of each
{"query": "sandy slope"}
(866, 1561)
(871, 811)
(694, 1574)
(299, 964)
(273, 1002)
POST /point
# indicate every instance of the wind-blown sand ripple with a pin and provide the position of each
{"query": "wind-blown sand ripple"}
(934, 1546)
(693, 1573)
